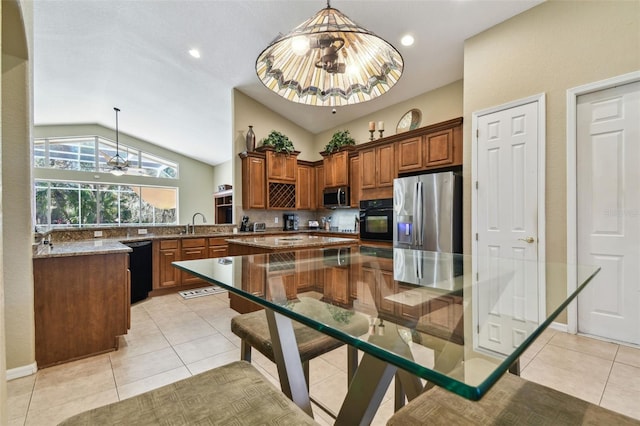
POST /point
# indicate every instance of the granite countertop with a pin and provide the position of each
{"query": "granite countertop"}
(80, 248)
(290, 241)
(259, 239)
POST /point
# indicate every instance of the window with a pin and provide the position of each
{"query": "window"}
(91, 154)
(64, 204)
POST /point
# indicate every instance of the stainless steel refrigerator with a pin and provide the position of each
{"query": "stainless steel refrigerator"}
(427, 212)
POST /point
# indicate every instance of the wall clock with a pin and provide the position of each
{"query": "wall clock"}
(411, 120)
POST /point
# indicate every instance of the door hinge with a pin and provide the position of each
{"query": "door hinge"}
(478, 328)
(476, 184)
(476, 236)
(477, 133)
(477, 276)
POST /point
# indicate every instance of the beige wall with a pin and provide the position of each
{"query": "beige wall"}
(16, 289)
(436, 106)
(192, 198)
(548, 49)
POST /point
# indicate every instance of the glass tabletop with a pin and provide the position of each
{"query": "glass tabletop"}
(450, 319)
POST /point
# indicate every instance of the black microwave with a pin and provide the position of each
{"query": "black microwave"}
(335, 198)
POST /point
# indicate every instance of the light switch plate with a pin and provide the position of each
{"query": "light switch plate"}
(275, 219)
(142, 231)
(97, 234)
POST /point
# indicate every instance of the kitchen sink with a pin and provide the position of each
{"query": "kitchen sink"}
(290, 238)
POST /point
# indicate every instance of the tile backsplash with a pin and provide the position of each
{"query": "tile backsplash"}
(341, 219)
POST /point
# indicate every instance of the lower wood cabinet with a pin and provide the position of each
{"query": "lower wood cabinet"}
(192, 249)
(164, 273)
(166, 276)
(81, 306)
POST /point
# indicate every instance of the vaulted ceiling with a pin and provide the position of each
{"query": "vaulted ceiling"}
(90, 56)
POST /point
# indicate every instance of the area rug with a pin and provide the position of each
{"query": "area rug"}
(199, 292)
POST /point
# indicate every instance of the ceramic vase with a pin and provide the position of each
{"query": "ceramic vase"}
(251, 140)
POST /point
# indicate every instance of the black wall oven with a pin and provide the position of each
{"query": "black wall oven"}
(376, 220)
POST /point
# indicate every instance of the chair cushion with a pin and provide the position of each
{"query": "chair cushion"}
(254, 329)
(511, 401)
(234, 394)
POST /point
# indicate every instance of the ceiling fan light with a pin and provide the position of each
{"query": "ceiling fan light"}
(322, 75)
(117, 172)
(118, 164)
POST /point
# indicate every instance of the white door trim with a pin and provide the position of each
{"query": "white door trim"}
(572, 177)
(541, 102)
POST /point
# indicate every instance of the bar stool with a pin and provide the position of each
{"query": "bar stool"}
(253, 330)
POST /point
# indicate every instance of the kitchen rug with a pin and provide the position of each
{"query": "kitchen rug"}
(199, 292)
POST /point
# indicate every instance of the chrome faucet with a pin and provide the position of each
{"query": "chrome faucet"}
(193, 221)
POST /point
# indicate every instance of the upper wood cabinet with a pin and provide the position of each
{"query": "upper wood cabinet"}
(306, 188)
(281, 167)
(409, 154)
(336, 169)
(253, 182)
(319, 185)
(440, 147)
(377, 171)
(354, 180)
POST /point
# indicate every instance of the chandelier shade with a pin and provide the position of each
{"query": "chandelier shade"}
(119, 165)
(329, 60)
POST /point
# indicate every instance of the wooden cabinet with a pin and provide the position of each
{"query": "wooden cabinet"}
(253, 181)
(377, 171)
(223, 206)
(81, 305)
(409, 154)
(305, 270)
(217, 247)
(336, 284)
(336, 169)
(440, 147)
(192, 249)
(306, 188)
(165, 252)
(281, 167)
(320, 185)
(354, 181)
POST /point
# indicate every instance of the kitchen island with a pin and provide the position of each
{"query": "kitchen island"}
(281, 243)
(288, 258)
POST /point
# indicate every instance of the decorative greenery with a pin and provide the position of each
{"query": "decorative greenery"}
(338, 140)
(279, 142)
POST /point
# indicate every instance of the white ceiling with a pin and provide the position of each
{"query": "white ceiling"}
(92, 55)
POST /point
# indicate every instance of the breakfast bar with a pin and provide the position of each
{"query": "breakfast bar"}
(444, 324)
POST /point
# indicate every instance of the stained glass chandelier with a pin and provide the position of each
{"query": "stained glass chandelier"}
(329, 60)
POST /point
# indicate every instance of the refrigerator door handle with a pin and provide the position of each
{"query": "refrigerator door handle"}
(420, 207)
(414, 217)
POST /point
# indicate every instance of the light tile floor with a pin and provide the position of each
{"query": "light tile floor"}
(172, 338)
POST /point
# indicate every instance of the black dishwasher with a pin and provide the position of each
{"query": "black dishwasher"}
(141, 270)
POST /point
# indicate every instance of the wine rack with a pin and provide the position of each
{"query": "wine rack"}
(281, 195)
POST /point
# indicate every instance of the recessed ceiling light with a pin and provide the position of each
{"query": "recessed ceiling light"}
(407, 40)
(194, 52)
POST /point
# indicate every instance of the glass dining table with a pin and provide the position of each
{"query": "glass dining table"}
(425, 318)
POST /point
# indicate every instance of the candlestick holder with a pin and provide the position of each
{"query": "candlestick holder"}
(372, 132)
(381, 132)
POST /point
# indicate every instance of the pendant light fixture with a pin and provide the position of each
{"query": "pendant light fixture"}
(329, 60)
(118, 164)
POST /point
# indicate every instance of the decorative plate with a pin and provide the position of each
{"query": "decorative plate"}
(411, 120)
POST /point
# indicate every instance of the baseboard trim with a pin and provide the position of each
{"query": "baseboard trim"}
(24, 371)
(559, 326)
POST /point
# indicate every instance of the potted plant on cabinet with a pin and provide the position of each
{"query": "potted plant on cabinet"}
(279, 142)
(339, 140)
